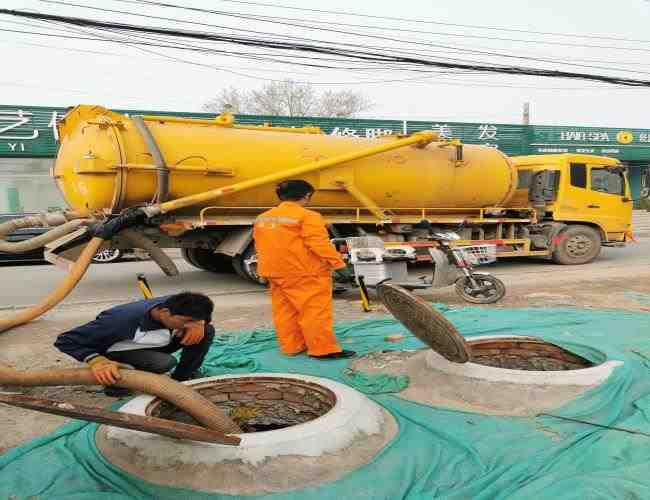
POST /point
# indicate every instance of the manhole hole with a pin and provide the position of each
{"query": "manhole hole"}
(524, 354)
(299, 431)
(257, 404)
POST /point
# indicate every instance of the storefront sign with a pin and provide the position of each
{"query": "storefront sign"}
(30, 131)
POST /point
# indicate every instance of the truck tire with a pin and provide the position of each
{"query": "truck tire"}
(207, 260)
(578, 245)
(245, 265)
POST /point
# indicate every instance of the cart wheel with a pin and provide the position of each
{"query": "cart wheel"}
(489, 291)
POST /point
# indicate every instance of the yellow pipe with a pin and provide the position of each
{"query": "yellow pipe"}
(421, 138)
(61, 292)
(364, 200)
(229, 123)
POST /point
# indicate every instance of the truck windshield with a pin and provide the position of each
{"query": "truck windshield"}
(608, 181)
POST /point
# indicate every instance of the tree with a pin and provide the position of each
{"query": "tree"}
(289, 98)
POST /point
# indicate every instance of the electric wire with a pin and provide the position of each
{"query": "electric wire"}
(363, 55)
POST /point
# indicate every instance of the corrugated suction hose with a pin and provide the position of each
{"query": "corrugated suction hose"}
(61, 292)
(182, 396)
(66, 223)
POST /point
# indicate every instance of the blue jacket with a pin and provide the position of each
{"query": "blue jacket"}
(119, 328)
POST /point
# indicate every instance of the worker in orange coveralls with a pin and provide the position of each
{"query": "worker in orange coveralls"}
(295, 254)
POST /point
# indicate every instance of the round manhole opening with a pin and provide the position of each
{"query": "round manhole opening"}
(257, 404)
(523, 353)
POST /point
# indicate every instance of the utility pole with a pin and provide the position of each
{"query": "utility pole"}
(526, 116)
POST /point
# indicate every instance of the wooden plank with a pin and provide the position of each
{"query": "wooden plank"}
(154, 425)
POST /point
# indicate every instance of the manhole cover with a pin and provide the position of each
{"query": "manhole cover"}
(424, 322)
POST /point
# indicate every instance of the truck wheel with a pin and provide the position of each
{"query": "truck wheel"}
(207, 260)
(578, 245)
(245, 265)
(107, 256)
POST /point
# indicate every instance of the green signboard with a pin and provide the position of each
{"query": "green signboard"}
(627, 144)
(30, 131)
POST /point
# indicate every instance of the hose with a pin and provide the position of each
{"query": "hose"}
(182, 396)
(61, 292)
(59, 219)
(162, 170)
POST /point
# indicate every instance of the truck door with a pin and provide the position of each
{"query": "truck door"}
(609, 198)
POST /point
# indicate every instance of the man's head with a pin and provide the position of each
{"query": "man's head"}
(298, 191)
(183, 308)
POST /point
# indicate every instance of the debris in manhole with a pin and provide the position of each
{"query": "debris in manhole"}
(259, 404)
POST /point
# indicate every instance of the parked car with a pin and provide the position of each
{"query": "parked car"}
(103, 257)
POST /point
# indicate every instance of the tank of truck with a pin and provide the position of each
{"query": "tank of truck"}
(104, 163)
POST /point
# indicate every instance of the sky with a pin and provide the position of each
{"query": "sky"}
(595, 37)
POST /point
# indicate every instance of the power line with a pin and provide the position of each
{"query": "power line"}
(363, 55)
(275, 20)
(461, 35)
(421, 21)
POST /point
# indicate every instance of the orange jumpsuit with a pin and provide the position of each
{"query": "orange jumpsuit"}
(295, 254)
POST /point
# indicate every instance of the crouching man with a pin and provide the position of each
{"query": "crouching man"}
(144, 334)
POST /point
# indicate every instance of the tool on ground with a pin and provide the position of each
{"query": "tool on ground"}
(152, 425)
(363, 291)
(143, 284)
(594, 424)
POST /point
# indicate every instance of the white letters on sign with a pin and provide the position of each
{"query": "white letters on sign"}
(487, 132)
(591, 136)
(370, 133)
(10, 120)
(350, 132)
(52, 125)
(444, 130)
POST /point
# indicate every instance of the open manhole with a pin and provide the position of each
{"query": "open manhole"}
(524, 353)
(257, 404)
(299, 431)
(496, 374)
(512, 353)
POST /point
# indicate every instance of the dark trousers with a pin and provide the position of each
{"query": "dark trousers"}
(160, 360)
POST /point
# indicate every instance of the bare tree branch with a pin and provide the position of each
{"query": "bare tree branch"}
(289, 98)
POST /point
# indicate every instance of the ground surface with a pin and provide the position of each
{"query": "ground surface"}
(619, 279)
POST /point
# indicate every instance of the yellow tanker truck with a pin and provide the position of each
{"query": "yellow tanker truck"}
(203, 182)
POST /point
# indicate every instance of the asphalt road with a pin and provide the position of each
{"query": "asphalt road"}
(26, 284)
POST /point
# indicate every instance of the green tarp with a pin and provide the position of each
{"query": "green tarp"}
(438, 453)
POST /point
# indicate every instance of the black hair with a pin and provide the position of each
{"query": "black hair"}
(294, 190)
(194, 305)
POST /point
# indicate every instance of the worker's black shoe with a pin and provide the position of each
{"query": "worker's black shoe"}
(117, 392)
(337, 355)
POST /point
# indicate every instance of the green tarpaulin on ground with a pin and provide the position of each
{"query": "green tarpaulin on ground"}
(438, 453)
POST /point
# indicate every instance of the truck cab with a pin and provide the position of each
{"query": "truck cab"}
(575, 190)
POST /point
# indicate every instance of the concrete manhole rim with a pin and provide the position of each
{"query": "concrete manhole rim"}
(353, 413)
(590, 376)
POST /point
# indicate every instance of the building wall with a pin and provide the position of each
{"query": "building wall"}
(26, 186)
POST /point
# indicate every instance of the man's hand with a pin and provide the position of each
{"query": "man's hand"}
(194, 333)
(106, 372)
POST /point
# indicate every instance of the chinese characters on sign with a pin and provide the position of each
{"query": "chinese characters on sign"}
(488, 133)
(369, 133)
(18, 131)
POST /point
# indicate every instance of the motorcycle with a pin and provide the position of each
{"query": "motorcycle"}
(374, 263)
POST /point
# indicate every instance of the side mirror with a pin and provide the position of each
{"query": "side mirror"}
(645, 184)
